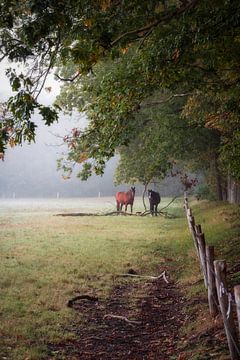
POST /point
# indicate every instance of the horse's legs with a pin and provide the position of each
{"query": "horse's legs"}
(118, 206)
(151, 208)
(126, 205)
(131, 208)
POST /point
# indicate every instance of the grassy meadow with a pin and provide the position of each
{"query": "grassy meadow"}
(45, 260)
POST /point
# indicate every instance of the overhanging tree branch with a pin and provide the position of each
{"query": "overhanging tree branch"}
(153, 103)
(50, 65)
(167, 17)
(69, 79)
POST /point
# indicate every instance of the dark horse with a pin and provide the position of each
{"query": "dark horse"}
(154, 200)
(125, 198)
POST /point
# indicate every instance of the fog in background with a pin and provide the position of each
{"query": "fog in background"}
(30, 170)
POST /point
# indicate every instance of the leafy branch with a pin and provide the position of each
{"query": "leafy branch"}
(140, 32)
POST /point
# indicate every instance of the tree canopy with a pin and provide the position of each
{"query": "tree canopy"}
(113, 55)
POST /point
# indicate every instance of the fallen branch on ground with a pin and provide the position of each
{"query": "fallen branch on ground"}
(138, 213)
(162, 275)
(161, 213)
(118, 213)
(111, 316)
(77, 214)
(98, 214)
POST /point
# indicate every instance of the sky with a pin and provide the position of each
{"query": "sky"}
(30, 170)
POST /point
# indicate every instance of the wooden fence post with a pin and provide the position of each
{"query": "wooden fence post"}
(185, 201)
(198, 228)
(191, 224)
(226, 308)
(212, 291)
(202, 256)
(189, 216)
(237, 300)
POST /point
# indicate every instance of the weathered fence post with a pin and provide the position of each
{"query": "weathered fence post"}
(202, 255)
(190, 217)
(237, 300)
(185, 201)
(226, 308)
(212, 291)
(191, 225)
(198, 228)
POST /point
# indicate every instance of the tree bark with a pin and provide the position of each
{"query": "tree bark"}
(143, 196)
(233, 191)
(219, 189)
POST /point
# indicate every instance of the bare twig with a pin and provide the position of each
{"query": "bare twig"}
(69, 79)
(168, 204)
(162, 275)
(45, 75)
(165, 278)
(119, 317)
(47, 71)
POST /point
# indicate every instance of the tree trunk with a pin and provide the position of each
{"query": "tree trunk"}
(233, 191)
(219, 189)
(143, 196)
(225, 189)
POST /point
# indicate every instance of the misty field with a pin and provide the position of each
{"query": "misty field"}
(48, 259)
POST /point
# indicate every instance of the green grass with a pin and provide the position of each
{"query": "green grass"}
(45, 260)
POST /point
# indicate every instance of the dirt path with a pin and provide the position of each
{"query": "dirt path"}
(155, 306)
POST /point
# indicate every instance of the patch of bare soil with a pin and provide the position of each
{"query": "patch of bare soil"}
(140, 320)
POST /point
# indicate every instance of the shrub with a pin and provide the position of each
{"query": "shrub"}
(203, 191)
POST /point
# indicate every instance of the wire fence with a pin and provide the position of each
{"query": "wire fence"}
(220, 299)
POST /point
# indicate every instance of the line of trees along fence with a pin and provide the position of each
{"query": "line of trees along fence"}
(220, 300)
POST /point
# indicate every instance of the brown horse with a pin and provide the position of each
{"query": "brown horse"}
(125, 198)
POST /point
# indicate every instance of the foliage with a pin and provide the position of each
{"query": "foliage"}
(203, 191)
(192, 62)
(164, 140)
(114, 54)
(16, 125)
(219, 112)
